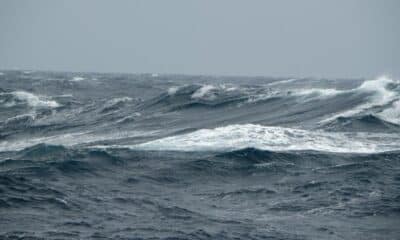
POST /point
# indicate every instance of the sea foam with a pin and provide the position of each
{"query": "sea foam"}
(234, 137)
(34, 100)
(380, 96)
(203, 92)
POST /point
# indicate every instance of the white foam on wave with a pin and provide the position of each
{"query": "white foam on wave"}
(34, 100)
(305, 94)
(320, 92)
(204, 92)
(71, 139)
(65, 96)
(391, 114)
(172, 90)
(22, 117)
(282, 82)
(228, 87)
(380, 96)
(131, 117)
(77, 79)
(1, 74)
(234, 137)
(208, 92)
(114, 101)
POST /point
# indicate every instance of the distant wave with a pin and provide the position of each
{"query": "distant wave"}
(377, 93)
(19, 120)
(71, 139)
(363, 123)
(10, 99)
(115, 103)
(384, 91)
(77, 79)
(204, 91)
(211, 95)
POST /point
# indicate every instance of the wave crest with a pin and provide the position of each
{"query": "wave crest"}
(12, 98)
(233, 137)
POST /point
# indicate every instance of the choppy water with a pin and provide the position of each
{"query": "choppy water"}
(118, 156)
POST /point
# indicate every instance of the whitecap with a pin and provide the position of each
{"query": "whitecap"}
(379, 96)
(34, 100)
(173, 90)
(77, 79)
(204, 92)
(320, 92)
(71, 139)
(282, 82)
(391, 114)
(129, 118)
(22, 117)
(65, 96)
(118, 100)
(234, 137)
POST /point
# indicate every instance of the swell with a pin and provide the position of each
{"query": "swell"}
(187, 97)
(370, 107)
(45, 161)
(310, 106)
(203, 189)
(363, 123)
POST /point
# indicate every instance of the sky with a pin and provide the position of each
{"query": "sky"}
(281, 38)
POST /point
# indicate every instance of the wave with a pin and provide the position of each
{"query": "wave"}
(77, 79)
(233, 137)
(368, 94)
(115, 103)
(362, 123)
(72, 139)
(219, 95)
(19, 121)
(205, 92)
(302, 104)
(280, 82)
(382, 93)
(10, 99)
(392, 113)
(191, 96)
(172, 90)
(379, 97)
(45, 158)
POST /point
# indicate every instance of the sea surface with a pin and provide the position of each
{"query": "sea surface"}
(153, 156)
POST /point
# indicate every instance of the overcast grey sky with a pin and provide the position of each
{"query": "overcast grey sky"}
(336, 38)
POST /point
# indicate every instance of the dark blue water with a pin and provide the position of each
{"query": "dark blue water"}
(122, 156)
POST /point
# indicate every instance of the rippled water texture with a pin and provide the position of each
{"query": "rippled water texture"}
(120, 156)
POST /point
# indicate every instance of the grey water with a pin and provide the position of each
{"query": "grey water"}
(153, 156)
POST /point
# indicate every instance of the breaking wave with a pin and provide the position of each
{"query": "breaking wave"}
(234, 137)
(382, 97)
(10, 99)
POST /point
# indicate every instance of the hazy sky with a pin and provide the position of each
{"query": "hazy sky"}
(335, 38)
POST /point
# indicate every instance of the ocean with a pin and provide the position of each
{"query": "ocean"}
(154, 156)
